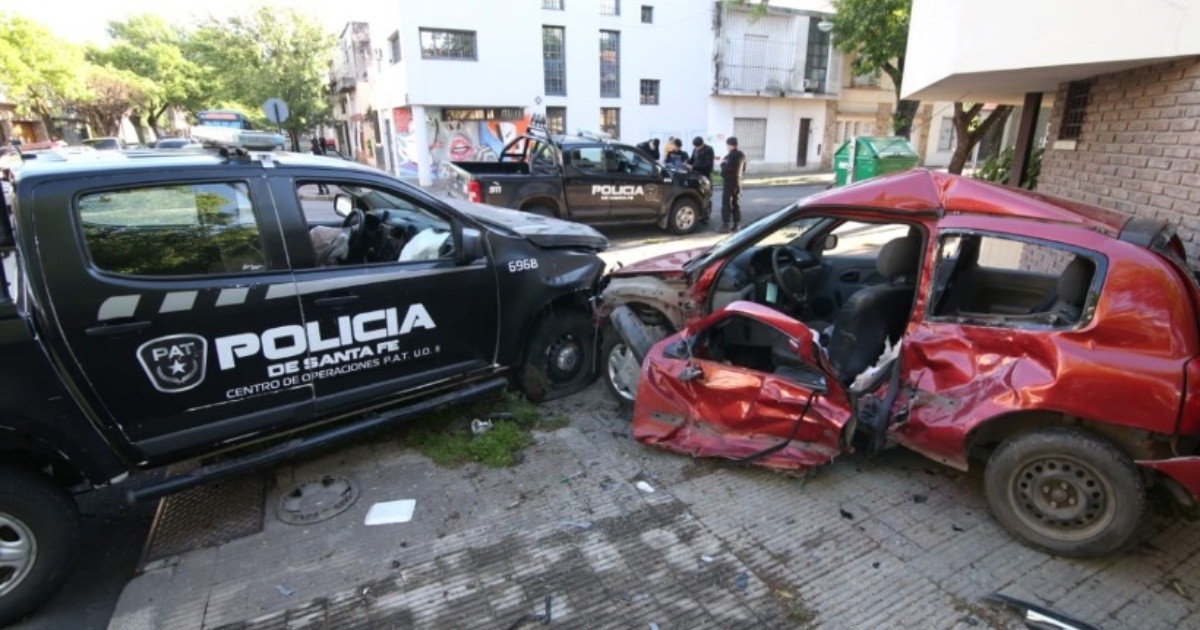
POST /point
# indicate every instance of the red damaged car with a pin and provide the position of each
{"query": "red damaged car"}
(1055, 341)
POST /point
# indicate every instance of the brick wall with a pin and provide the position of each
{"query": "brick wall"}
(1139, 147)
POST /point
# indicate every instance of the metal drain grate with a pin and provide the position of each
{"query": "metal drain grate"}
(207, 516)
(316, 500)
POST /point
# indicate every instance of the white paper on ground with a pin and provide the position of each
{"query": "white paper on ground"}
(389, 512)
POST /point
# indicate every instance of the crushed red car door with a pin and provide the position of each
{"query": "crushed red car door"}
(776, 405)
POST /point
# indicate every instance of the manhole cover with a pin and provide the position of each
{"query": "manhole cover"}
(316, 500)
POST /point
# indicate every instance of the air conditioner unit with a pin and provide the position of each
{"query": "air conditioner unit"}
(811, 85)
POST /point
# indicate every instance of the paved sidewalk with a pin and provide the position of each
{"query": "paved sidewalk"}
(864, 543)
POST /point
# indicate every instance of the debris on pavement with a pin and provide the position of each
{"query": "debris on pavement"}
(1036, 616)
(644, 487)
(479, 427)
(543, 618)
(845, 514)
(576, 524)
(653, 626)
(284, 590)
(706, 559)
(1177, 586)
(391, 512)
(920, 498)
(741, 581)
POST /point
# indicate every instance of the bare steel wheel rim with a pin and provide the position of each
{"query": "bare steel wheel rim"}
(1062, 498)
(685, 218)
(565, 359)
(623, 371)
(18, 553)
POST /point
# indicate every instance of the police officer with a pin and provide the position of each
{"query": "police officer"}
(732, 167)
(702, 158)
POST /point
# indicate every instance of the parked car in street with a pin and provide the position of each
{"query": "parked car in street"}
(104, 144)
(586, 179)
(1056, 343)
(175, 306)
(177, 143)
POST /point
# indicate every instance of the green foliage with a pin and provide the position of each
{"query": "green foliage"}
(998, 167)
(37, 70)
(269, 53)
(875, 32)
(446, 438)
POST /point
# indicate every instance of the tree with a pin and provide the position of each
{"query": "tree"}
(37, 70)
(969, 130)
(148, 47)
(108, 95)
(876, 33)
(277, 53)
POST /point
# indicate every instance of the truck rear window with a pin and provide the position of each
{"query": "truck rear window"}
(173, 230)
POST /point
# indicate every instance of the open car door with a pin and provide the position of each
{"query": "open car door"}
(746, 383)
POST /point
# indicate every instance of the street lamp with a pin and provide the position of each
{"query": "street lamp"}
(825, 25)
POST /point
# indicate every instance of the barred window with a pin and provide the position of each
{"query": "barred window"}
(1078, 93)
(610, 64)
(752, 136)
(610, 7)
(816, 63)
(556, 120)
(447, 44)
(553, 5)
(394, 47)
(649, 91)
(647, 14)
(610, 121)
(554, 60)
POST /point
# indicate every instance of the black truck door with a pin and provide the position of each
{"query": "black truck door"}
(406, 312)
(635, 189)
(584, 182)
(158, 293)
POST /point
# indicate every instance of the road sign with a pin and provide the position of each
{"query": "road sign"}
(276, 110)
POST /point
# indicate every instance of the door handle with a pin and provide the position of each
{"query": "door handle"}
(336, 300)
(106, 330)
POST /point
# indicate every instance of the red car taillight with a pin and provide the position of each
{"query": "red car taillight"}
(474, 192)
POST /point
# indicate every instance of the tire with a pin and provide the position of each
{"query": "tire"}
(39, 513)
(615, 364)
(560, 357)
(684, 217)
(1065, 491)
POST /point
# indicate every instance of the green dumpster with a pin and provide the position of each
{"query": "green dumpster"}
(873, 156)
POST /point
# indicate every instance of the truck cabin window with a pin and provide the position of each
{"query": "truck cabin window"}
(173, 230)
(373, 226)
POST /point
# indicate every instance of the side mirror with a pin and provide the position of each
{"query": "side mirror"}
(472, 246)
(830, 242)
(342, 205)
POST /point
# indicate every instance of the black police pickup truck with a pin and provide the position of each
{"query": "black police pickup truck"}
(174, 307)
(585, 179)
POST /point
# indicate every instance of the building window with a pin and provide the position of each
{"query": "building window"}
(553, 5)
(868, 80)
(649, 91)
(610, 121)
(394, 47)
(554, 60)
(816, 63)
(946, 134)
(556, 120)
(1074, 109)
(847, 129)
(647, 14)
(752, 136)
(446, 44)
(610, 7)
(610, 64)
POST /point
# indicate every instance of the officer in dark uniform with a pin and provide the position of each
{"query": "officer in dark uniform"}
(702, 158)
(732, 167)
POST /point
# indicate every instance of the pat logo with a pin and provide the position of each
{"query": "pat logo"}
(174, 363)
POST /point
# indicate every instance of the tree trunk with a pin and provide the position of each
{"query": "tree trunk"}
(136, 119)
(902, 120)
(962, 153)
(967, 138)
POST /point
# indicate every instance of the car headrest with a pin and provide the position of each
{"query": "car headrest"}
(1074, 281)
(900, 258)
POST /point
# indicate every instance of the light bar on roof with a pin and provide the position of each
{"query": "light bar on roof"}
(228, 137)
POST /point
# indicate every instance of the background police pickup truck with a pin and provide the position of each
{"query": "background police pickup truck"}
(582, 179)
(165, 308)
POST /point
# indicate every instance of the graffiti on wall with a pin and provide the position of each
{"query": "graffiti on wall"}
(454, 141)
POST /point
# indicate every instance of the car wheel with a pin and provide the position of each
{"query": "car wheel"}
(559, 359)
(39, 540)
(685, 216)
(1065, 491)
(619, 367)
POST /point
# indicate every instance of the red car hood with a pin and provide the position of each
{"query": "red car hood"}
(664, 265)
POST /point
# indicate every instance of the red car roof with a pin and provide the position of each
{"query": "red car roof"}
(922, 190)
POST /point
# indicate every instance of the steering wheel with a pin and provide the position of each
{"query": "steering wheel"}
(357, 222)
(789, 277)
